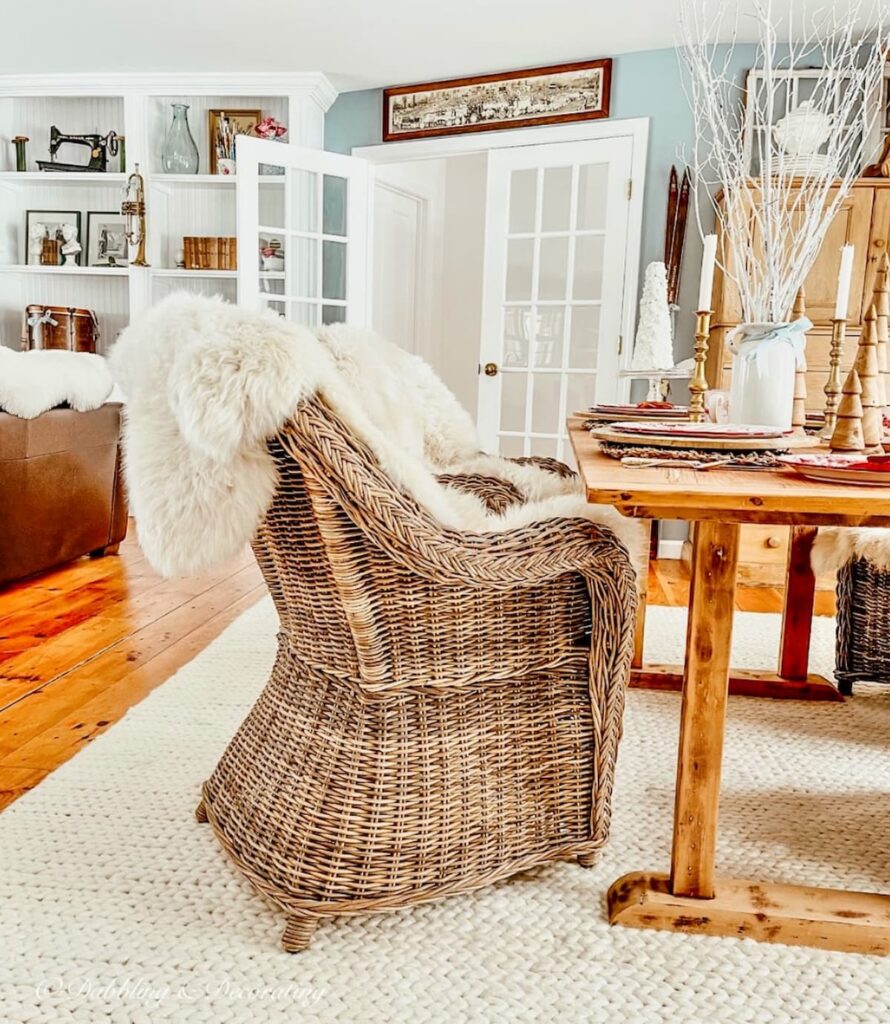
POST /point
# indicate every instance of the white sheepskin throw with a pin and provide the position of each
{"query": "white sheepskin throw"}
(835, 546)
(207, 383)
(31, 383)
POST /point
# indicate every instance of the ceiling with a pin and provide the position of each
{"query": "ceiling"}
(358, 43)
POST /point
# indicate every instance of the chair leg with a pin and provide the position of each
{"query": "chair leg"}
(587, 860)
(298, 932)
(201, 813)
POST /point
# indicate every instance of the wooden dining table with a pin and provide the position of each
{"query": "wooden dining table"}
(691, 898)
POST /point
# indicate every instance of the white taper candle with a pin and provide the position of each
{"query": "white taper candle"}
(706, 283)
(844, 277)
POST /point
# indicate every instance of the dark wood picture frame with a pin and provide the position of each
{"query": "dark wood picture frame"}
(478, 83)
(53, 217)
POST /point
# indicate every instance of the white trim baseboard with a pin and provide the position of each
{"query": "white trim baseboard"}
(670, 548)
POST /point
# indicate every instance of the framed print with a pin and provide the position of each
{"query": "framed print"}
(222, 127)
(107, 244)
(551, 95)
(52, 238)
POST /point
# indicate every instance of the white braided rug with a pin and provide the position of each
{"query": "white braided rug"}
(115, 905)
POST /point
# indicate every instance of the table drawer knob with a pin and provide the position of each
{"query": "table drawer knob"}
(773, 542)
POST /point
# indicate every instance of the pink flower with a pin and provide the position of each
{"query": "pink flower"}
(269, 128)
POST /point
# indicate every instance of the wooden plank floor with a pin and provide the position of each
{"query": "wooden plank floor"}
(82, 645)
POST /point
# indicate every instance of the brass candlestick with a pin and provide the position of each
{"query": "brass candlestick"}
(834, 384)
(698, 385)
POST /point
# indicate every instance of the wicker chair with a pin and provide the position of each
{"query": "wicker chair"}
(863, 624)
(445, 708)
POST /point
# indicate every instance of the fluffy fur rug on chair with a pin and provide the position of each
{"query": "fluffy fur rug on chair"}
(207, 383)
(836, 546)
(31, 383)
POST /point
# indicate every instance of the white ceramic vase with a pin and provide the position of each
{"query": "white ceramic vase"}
(766, 357)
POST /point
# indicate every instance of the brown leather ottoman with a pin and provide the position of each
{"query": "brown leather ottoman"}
(61, 489)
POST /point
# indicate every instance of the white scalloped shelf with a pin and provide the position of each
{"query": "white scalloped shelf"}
(219, 180)
(63, 177)
(22, 268)
(268, 275)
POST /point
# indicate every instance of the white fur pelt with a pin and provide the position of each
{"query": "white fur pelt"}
(835, 546)
(32, 383)
(207, 383)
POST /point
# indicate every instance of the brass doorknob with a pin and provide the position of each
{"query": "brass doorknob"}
(491, 369)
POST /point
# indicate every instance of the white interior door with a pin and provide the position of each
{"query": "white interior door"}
(555, 249)
(302, 218)
(398, 219)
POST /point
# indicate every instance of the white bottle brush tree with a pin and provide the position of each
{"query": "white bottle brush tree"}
(653, 348)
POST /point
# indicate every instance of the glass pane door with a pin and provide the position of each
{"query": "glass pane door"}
(553, 296)
(302, 232)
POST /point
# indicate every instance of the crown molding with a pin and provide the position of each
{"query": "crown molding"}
(314, 85)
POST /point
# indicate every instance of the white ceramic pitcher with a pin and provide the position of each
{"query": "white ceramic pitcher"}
(766, 357)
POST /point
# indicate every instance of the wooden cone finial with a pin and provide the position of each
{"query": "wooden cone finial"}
(866, 367)
(847, 436)
(882, 308)
(799, 406)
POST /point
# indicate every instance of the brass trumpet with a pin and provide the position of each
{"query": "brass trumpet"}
(133, 209)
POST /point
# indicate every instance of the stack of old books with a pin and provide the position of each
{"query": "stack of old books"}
(207, 252)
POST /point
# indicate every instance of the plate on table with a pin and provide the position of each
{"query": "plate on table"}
(697, 431)
(676, 412)
(841, 469)
(664, 437)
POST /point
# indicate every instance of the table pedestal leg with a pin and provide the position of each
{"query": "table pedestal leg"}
(691, 899)
(800, 599)
(642, 598)
(705, 690)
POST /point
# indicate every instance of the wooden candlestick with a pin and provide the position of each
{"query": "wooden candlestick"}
(866, 367)
(799, 406)
(882, 308)
(698, 385)
(847, 436)
(834, 383)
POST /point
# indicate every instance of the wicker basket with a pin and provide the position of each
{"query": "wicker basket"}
(445, 708)
(863, 624)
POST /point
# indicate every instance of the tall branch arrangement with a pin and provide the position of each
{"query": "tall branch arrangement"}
(773, 226)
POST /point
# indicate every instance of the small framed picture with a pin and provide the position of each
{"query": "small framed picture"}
(107, 239)
(52, 238)
(222, 127)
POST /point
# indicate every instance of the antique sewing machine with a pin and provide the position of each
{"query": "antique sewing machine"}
(100, 146)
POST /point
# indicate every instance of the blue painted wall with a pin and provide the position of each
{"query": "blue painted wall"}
(644, 84)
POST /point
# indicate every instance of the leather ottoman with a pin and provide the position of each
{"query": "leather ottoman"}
(61, 488)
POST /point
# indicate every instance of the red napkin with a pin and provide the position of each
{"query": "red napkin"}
(874, 463)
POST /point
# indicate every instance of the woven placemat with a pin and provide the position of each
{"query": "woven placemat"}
(616, 450)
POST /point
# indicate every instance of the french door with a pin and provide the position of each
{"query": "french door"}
(553, 295)
(302, 218)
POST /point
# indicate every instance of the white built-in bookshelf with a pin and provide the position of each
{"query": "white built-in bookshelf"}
(137, 106)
